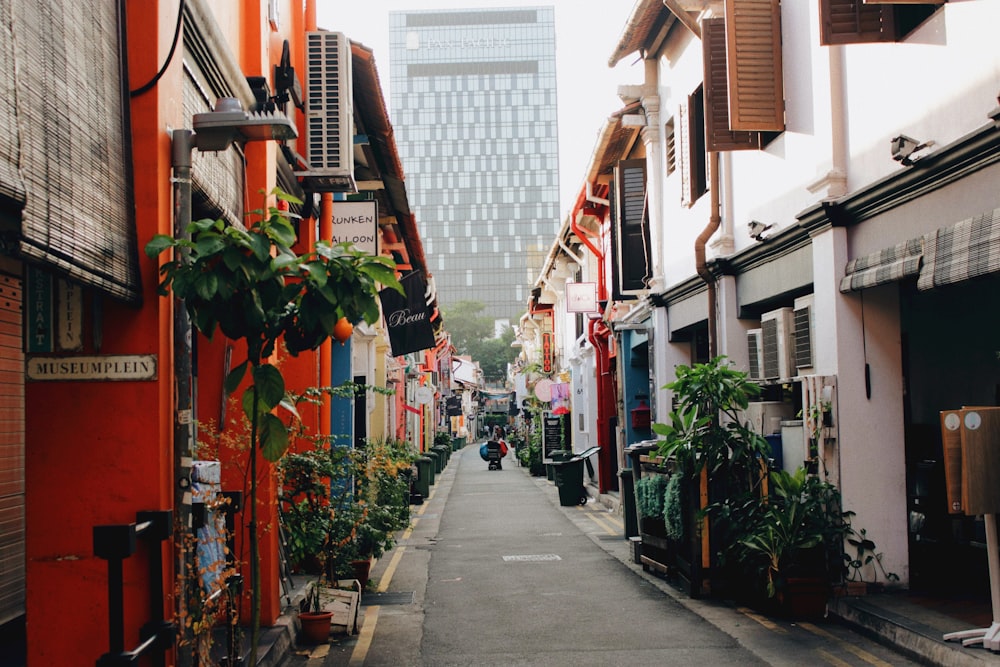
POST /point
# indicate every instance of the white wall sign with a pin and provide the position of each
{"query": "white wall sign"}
(356, 222)
(581, 298)
(113, 367)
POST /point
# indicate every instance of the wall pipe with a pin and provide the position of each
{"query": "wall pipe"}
(714, 220)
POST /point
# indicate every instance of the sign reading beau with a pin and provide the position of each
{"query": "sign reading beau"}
(407, 317)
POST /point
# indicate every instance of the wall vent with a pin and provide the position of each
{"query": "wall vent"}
(802, 316)
(755, 350)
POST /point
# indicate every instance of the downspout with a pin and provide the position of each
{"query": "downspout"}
(714, 220)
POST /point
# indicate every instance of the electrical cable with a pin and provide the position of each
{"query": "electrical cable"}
(170, 56)
(864, 351)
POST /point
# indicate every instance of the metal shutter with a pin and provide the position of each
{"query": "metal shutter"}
(11, 451)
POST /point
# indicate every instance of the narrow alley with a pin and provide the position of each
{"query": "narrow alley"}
(495, 572)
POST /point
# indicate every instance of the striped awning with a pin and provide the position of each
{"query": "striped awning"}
(885, 266)
(966, 250)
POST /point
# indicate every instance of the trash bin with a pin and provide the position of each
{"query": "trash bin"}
(556, 455)
(425, 476)
(435, 463)
(777, 460)
(627, 487)
(568, 474)
(444, 452)
(458, 443)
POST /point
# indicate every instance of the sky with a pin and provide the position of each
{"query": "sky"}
(587, 31)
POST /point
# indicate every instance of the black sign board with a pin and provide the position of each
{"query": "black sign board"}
(408, 318)
(552, 430)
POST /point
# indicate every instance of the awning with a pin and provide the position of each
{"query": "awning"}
(884, 266)
(963, 251)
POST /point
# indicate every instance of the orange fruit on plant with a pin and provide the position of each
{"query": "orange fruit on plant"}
(342, 330)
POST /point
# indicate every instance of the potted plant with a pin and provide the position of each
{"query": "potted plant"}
(314, 620)
(865, 559)
(789, 538)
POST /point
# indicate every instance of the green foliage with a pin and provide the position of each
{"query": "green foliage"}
(649, 493)
(467, 325)
(866, 557)
(673, 507)
(802, 515)
(250, 284)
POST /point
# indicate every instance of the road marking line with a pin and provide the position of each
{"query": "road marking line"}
(767, 623)
(383, 584)
(610, 530)
(832, 659)
(851, 648)
(360, 652)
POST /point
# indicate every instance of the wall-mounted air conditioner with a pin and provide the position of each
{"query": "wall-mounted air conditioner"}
(776, 328)
(329, 114)
(755, 350)
(802, 317)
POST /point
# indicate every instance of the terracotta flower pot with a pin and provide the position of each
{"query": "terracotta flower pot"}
(362, 571)
(315, 626)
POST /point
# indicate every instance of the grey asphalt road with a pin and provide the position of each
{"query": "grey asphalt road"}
(496, 572)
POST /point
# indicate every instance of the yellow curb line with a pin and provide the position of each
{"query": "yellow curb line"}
(851, 648)
(610, 530)
(763, 621)
(360, 651)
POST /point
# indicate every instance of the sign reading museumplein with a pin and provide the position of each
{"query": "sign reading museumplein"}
(105, 367)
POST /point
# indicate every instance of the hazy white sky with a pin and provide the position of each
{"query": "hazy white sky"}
(587, 31)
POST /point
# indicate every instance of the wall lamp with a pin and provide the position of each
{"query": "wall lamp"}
(229, 124)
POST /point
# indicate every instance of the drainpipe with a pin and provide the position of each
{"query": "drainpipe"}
(181, 147)
(714, 220)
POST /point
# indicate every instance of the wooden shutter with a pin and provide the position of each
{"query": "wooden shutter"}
(11, 450)
(11, 185)
(753, 48)
(854, 22)
(718, 135)
(75, 156)
(683, 136)
(630, 228)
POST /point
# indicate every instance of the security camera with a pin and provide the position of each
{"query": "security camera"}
(903, 147)
(757, 229)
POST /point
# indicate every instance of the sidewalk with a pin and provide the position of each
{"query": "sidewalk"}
(898, 620)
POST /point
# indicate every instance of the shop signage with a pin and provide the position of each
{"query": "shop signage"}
(408, 318)
(95, 368)
(38, 321)
(70, 317)
(581, 298)
(356, 222)
(546, 353)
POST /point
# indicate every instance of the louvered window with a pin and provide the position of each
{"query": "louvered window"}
(718, 135)
(691, 148)
(753, 53)
(72, 141)
(630, 231)
(671, 145)
(859, 21)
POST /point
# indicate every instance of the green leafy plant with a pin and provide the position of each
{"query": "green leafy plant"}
(865, 557)
(649, 494)
(251, 285)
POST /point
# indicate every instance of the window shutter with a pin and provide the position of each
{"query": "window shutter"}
(11, 185)
(631, 254)
(74, 144)
(718, 136)
(684, 153)
(853, 22)
(753, 47)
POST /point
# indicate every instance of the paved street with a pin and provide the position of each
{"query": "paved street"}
(495, 572)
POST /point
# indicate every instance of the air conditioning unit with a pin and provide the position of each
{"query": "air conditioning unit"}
(776, 329)
(755, 350)
(329, 114)
(802, 318)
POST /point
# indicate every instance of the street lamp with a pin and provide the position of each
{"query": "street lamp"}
(217, 130)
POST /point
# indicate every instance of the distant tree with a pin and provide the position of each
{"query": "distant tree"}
(493, 355)
(467, 324)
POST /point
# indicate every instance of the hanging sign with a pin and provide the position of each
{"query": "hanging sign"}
(356, 222)
(581, 298)
(408, 318)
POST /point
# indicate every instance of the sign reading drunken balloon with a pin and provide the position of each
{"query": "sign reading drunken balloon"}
(356, 222)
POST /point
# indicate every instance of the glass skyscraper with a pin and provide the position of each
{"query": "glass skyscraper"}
(473, 107)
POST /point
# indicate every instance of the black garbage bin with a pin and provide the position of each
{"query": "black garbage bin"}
(567, 472)
(443, 453)
(435, 462)
(425, 476)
